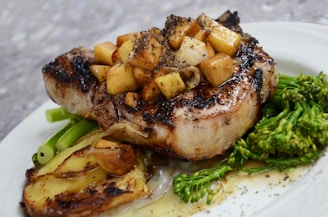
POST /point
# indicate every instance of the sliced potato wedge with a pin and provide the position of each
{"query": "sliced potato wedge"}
(83, 191)
(62, 156)
(78, 162)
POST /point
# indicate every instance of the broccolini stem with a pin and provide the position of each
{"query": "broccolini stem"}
(287, 81)
(284, 163)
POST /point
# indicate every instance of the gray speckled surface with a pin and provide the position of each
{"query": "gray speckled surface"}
(32, 33)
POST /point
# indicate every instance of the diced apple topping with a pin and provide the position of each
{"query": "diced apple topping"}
(120, 79)
(217, 69)
(164, 63)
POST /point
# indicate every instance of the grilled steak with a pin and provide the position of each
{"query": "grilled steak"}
(197, 124)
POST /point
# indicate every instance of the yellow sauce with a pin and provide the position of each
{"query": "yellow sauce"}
(236, 183)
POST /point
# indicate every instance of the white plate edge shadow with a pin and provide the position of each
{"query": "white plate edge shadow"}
(311, 184)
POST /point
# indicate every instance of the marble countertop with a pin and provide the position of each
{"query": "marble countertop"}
(34, 32)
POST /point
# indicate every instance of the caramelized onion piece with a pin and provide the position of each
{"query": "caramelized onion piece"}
(114, 158)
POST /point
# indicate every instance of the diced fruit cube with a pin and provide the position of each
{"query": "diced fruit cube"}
(210, 49)
(170, 84)
(217, 69)
(103, 53)
(120, 79)
(128, 36)
(184, 27)
(201, 35)
(150, 90)
(142, 76)
(224, 40)
(124, 50)
(131, 99)
(100, 71)
(146, 53)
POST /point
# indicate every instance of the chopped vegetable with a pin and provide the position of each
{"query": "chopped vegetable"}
(120, 79)
(115, 158)
(100, 71)
(138, 58)
(64, 138)
(292, 131)
(57, 114)
(48, 149)
(224, 40)
(74, 133)
(193, 187)
(104, 52)
(217, 69)
(192, 51)
(170, 84)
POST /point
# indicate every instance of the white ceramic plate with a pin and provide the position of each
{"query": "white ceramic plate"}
(295, 46)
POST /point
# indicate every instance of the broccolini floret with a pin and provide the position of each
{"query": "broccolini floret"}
(293, 130)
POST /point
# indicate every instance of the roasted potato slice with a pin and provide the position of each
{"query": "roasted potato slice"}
(46, 187)
(84, 195)
(78, 162)
(86, 191)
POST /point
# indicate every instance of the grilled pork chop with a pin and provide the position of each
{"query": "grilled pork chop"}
(197, 124)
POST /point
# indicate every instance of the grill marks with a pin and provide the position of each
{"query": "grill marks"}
(73, 69)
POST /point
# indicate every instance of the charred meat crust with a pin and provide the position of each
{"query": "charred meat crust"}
(77, 63)
(68, 79)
